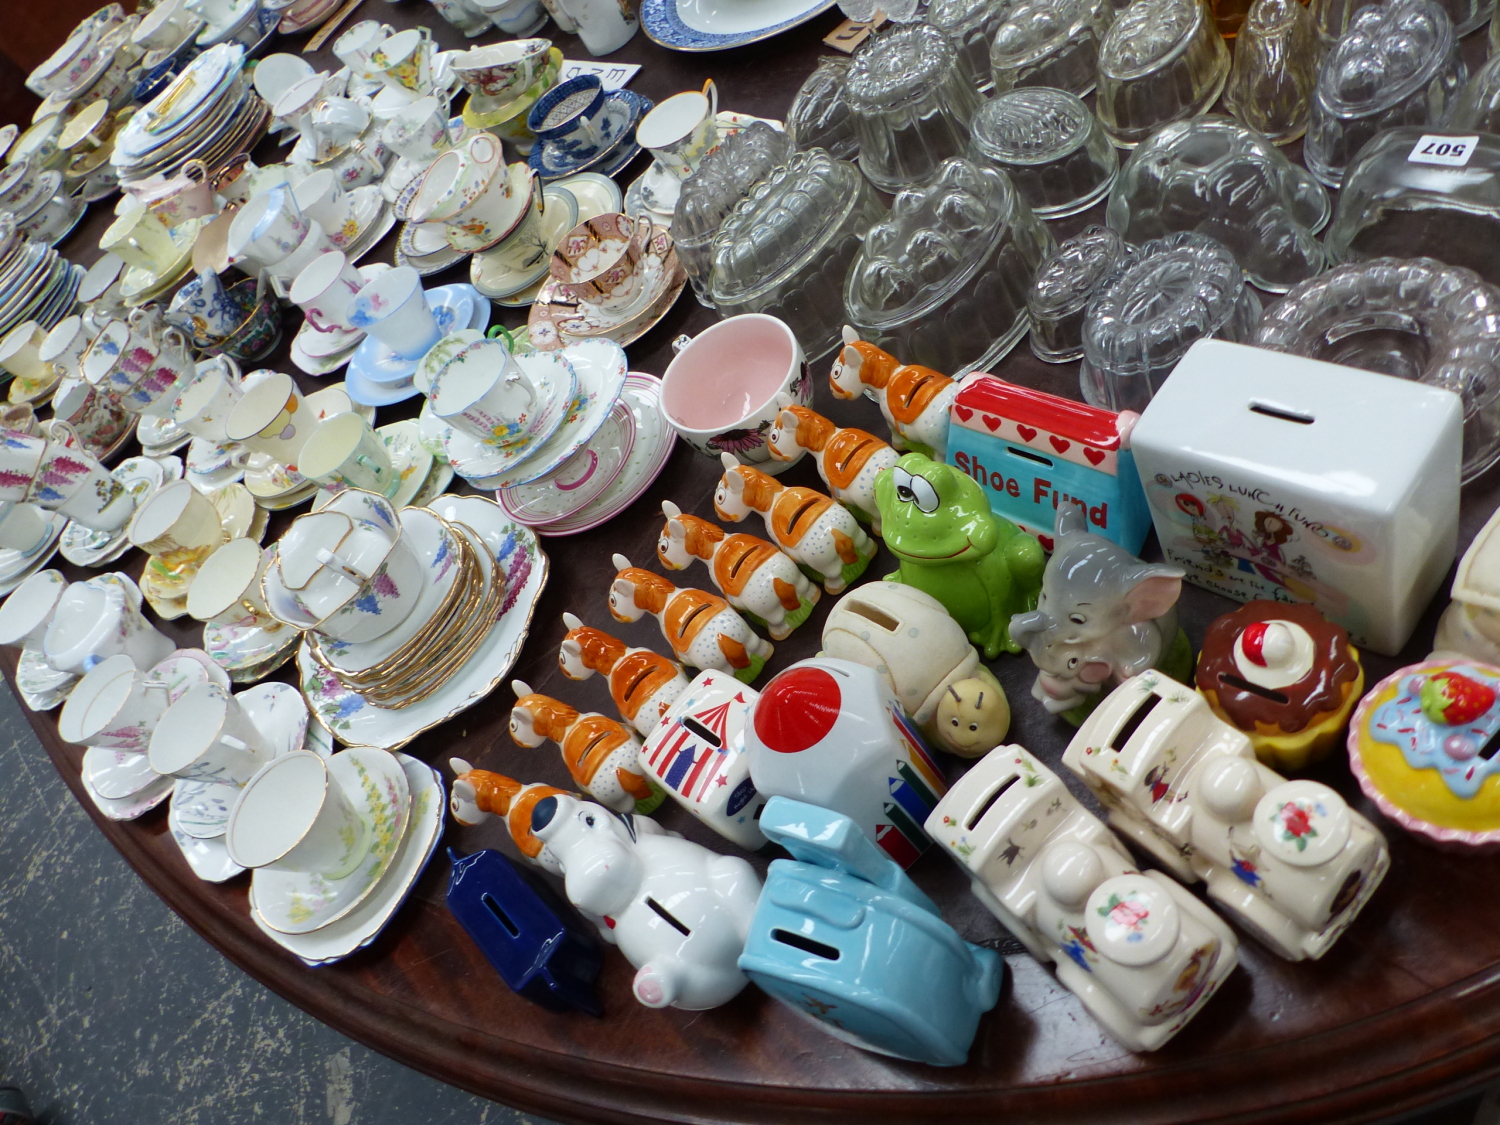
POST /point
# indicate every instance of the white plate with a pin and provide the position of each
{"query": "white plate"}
(364, 923)
(296, 902)
(580, 480)
(351, 720)
(128, 808)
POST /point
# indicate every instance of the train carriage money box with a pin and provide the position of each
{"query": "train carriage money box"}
(1274, 476)
(1031, 451)
(843, 936)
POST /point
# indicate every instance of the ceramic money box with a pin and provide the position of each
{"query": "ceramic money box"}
(1273, 476)
(980, 566)
(532, 941)
(925, 659)
(1422, 744)
(697, 754)
(479, 794)
(844, 937)
(701, 627)
(631, 876)
(1285, 675)
(848, 460)
(643, 684)
(1103, 616)
(831, 733)
(818, 533)
(914, 399)
(1289, 861)
(599, 752)
(1062, 884)
(1033, 452)
(1470, 626)
(757, 578)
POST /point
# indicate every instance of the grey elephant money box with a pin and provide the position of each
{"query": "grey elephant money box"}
(1103, 616)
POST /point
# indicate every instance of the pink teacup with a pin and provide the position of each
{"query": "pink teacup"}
(598, 260)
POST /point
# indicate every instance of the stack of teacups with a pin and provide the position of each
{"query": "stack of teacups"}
(141, 359)
(23, 621)
(56, 473)
(239, 632)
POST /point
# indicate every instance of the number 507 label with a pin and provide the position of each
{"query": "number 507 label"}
(1435, 148)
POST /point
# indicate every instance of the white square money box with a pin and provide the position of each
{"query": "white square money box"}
(1274, 476)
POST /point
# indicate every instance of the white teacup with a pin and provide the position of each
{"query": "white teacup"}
(268, 229)
(207, 736)
(393, 308)
(20, 352)
(115, 705)
(344, 451)
(336, 122)
(143, 240)
(483, 391)
(273, 420)
(316, 242)
(354, 47)
(64, 346)
(294, 816)
(681, 130)
(325, 289)
(177, 525)
(226, 589)
(404, 60)
(20, 457)
(24, 618)
(322, 199)
(419, 131)
(203, 404)
(98, 619)
(23, 528)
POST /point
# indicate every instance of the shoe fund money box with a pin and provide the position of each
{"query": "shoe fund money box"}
(1274, 476)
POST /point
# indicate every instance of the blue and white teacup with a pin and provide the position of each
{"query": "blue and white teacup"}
(571, 117)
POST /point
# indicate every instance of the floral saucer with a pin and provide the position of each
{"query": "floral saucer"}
(139, 285)
(16, 567)
(623, 110)
(211, 465)
(601, 369)
(370, 220)
(297, 902)
(580, 480)
(378, 377)
(207, 859)
(321, 365)
(495, 279)
(239, 515)
(41, 686)
(557, 386)
(424, 247)
(350, 719)
(654, 442)
(279, 714)
(141, 476)
(655, 192)
(439, 477)
(361, 926)
(247, 652)
(137, 804)
(160, 436)
(114, 774)
(558, 319)
(408, 458)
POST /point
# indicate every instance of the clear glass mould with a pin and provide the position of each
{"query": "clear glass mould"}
(786, 247)
(1398, 64)
(1050, 43)
(942, 280)
(1223, 179)
(1162, 61)
(971, 25)
(709, 194)
(1479, 104)
(1270, 85)
(1051, 146)
(1066, 281)
(911, 104)
(1412, 318)
(820, 117)
(1184, 287)
(1393, 207)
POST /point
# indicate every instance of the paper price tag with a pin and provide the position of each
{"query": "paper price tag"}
(1438, 148)
(615, 76)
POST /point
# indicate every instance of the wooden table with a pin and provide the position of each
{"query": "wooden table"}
(1403, 1012)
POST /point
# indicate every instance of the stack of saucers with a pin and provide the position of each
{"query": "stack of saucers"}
(36, 283)
(208, 113)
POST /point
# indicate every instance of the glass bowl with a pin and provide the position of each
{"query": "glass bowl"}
(1223, 179)
(1049, 144)
(942, 280)
(1066, 281)
(1162, 61)
(787, 246)
(971, 25)
(1049, 43)
(1270, 85)
(819, 117)
(1412, 318)
(1183, 288)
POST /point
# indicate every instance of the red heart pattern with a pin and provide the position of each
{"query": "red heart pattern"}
(1094, 455)
(1026, 432)
(991, 422)
(964, 413)
(1059, 444)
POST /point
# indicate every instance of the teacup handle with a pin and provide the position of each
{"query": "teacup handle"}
(680, 343)
(711, 92)
(333, 562)
(500, 332)
(371, 464)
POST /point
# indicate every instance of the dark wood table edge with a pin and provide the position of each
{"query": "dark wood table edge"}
(1460, 1058)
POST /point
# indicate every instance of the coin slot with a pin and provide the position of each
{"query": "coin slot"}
(992, 798)
(1492, 747)
(853, 452)
(500, 916)
(803, 510)
(667, 916)
(1241, 684)
(698, 729)
(641, 678)
(687, 622)
(806, 944)
(874, 616)
(1137, 717)
(739, 564)
(1029, 455)
(1271, 411)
